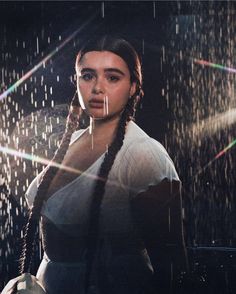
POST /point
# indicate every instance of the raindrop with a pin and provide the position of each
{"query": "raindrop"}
(103, 9)
(154, 9)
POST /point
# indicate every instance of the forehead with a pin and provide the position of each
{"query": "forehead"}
(102, 59)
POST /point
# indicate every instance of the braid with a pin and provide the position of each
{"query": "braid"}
(49, 174)
(99, 189)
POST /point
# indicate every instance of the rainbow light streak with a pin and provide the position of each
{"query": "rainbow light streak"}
(42, 62)
(35, 158)
(214, 65)
(222, 152)
(44, 161)
(225, 150)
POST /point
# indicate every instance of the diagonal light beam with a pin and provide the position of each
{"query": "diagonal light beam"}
(42, 62)
(38, 159)
(45, 161)
(215, 65)
(221, 153)
(225, 149)
(212, 124)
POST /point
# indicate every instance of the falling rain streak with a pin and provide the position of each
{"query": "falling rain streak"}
(212, 124)
(91, 128)
(105, 105)
(31, 123)
(42, 62)
(154, 9)
(196, 101)
(200, 93)
(103, 9)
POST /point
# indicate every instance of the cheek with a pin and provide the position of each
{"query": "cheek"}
(122, 91)
(124, 94)
(82, 88)
(118, 99)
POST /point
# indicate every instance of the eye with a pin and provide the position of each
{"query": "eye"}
(113, 78)
(86, 76)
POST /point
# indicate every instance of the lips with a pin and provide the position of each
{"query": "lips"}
(96, 103)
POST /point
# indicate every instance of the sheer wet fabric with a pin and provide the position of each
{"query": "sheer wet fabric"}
(122, 264)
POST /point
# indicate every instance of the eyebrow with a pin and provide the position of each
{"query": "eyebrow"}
(110, 69)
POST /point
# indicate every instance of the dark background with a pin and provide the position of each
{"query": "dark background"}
(188, 107)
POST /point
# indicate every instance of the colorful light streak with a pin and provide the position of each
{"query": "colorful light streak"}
(45, 161)
(221, 153)
(42, 62)
(215, 65)
(225, 149)
(212, 124)
(38, 159)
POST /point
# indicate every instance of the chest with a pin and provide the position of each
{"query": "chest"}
(71, 204)
(79, 157)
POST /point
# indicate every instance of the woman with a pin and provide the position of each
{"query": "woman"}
(100, 228)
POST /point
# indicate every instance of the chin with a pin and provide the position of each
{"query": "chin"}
(100, 116)
(97, 114)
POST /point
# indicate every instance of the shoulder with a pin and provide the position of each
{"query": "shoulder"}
(144, 148)
(32, 189)
(76, 135)
(147, 161)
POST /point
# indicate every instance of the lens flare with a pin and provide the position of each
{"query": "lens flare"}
(221, 153)
(42, 62)
(38, 159)
(225, 149)
(215, 65)
(45, 161)
(212, 124)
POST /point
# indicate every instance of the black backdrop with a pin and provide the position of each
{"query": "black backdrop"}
(187, 106)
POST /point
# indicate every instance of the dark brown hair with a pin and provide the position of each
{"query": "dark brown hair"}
(123, 49)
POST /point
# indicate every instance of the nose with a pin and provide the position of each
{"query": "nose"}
(98, 87)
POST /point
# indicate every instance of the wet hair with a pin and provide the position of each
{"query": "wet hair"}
(123, 49)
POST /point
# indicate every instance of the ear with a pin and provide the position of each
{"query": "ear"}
(132, 89)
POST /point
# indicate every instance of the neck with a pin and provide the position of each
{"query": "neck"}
(103, 131)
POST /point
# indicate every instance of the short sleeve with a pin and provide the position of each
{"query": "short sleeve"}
(148, 163)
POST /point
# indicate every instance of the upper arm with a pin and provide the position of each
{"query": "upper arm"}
(156, 201)
(148, 163)
(158, 213)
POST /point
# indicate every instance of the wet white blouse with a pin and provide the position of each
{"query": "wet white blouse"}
(141, 162)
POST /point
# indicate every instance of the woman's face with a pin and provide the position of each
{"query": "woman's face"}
(103, 83)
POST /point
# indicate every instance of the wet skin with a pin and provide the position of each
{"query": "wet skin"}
(104, 85)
